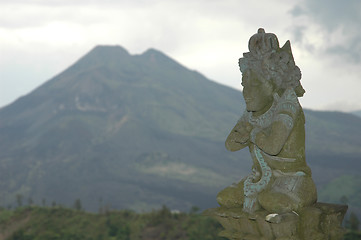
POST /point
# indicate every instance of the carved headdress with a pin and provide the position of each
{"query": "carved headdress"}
(275, 64)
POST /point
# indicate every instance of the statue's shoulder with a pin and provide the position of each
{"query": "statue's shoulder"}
(288, 104)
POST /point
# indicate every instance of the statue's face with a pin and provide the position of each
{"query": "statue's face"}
(257, 93)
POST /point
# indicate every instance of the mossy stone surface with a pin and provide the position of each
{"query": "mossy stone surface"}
(321, 221)
(278, 200)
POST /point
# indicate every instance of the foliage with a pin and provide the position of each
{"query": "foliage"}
(353, 222)
(49, 223)
(77, 204)
(352, 235)
(345, 189)
(5, 215)
(352, 225)
(43, 223)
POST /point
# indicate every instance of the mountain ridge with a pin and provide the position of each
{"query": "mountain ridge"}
(95, 110)
(140, 131)
(357, 113)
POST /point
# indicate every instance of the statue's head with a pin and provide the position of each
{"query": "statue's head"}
(267, 69)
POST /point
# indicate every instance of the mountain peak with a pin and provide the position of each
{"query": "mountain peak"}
(106, 53)
(101, 55)
(109, 49)
(154, 54)
(152, 51)
(157, 57)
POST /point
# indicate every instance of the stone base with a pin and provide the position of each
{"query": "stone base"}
(322, 221)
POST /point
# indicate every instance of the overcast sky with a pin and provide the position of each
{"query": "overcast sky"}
(40, 38)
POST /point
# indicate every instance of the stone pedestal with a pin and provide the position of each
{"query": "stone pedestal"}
(321, 221)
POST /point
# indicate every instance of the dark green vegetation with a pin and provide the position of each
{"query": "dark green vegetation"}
(34, 223)
(353, 227)
(39, 223)
(140, 131)
(351, 235)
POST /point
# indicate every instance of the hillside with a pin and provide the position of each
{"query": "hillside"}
(92, 131)
(357, 113)
(333, 145)
(140, 131)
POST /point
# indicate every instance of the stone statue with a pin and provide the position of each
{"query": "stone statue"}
(272, 127)
(280, 189)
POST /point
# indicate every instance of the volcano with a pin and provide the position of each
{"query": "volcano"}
(139, 132)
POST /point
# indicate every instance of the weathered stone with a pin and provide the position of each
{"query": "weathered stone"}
(320, 221)
(280, 188)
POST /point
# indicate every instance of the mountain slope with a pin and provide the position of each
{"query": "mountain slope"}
(140, 131)
(89, 132)
(333, 145)
(357, 113)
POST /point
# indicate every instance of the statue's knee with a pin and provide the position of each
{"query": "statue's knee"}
(277, 202)
(231, 196)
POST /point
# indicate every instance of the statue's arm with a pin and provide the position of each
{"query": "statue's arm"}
(275, 138)
(239, 136)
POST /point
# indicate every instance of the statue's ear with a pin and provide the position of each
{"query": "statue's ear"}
(287, 48)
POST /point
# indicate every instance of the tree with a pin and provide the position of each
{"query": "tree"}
(194, 210)
(30, 201)
(19, 200)
(354, 222)
(77, 204)
(344, 200)
(101, 210)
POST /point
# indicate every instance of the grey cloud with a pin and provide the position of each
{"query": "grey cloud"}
(22, 17)
(57, 3)
(351, 51)
(298, 33)
(297, 11)
(332, 15)
(298, 36)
